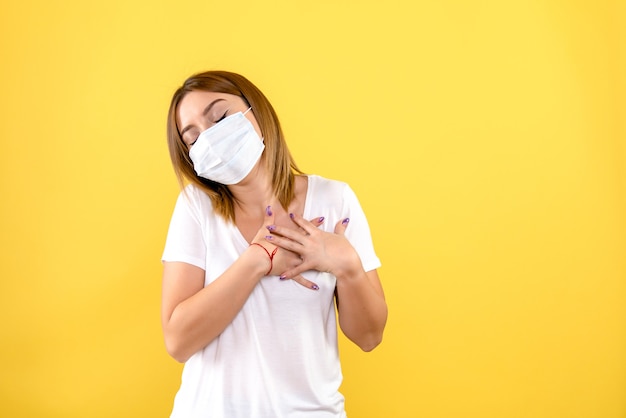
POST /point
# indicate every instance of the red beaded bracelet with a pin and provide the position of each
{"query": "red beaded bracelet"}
(271, 256)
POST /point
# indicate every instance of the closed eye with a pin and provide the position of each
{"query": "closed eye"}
(191, 137)
(222, 118)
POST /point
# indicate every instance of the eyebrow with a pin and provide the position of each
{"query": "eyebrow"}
(204, 113)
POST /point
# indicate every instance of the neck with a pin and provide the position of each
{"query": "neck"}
(254, 192)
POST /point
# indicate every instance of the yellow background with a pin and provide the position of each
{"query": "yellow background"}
(485, 139)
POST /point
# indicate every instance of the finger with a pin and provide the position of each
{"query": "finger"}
(286, 242)
(296, 271)
(317, 221)
(303, 223)
(268, 219)
(292, 234)
(302, 281)
(269, 216)
(340, 227)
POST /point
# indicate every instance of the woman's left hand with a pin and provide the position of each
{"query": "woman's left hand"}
(319, 250)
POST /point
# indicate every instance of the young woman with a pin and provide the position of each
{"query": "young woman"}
(257, 255)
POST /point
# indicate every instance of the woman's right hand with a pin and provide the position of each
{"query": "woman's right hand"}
(282, 260)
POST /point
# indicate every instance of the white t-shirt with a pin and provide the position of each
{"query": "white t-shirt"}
(279, 357)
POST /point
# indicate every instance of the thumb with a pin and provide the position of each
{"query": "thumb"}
(341, 226)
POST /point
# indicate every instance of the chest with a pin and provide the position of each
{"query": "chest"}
(250, 227)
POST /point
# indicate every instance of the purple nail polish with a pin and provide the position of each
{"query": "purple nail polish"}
(282, 277)
(271, 227)
(321, 219)
(315, 287)
(291, 215)
(345, 221)
(269, 237)
(268, 210)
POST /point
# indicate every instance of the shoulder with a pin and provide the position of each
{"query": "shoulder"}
(319, 184)
(195, 199)
(195, 193)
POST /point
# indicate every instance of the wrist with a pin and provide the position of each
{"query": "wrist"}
(350, 268)
(265, 257)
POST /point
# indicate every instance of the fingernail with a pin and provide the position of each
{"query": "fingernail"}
(291, 215)
(315, 287)
(268, 210)
(269, 237)
(321, 219)
(282, 277)
(345, 221)
(271, 227)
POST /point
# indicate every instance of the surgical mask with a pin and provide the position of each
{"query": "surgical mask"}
(227, 152)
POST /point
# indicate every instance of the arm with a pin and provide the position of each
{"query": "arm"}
(362, 308)
(193, 315)
(360, 299)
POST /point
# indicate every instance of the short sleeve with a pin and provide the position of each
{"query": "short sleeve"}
(185, 241)
(358, 230)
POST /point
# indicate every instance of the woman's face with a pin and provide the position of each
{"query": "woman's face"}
(199, 110)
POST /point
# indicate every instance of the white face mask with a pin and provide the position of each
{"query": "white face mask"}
(227, 152)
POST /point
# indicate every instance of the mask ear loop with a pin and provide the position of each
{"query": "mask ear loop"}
(244, 113)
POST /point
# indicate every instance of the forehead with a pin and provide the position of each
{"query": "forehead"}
(195, 102)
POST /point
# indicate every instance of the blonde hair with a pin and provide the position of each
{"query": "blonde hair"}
(278, 159)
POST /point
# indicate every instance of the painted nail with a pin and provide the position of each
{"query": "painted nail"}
(345, 221)
(315, 287)
(268, 210)
(291, 215)
(282, 277)
(321, 219)
(269, 237)
(271, 227)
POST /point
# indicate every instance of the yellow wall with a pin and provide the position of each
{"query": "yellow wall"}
(486, 140)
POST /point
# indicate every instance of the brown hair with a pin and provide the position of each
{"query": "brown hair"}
(277, 156)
